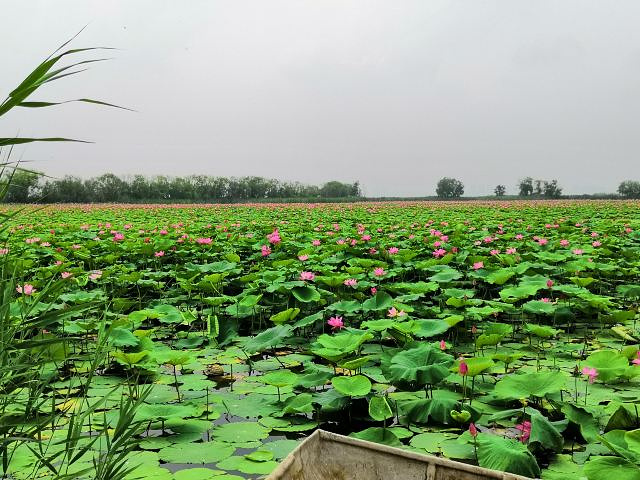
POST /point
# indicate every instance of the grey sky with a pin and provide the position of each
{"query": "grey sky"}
(396, 94)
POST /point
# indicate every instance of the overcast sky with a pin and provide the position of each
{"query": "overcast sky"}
(395, 94)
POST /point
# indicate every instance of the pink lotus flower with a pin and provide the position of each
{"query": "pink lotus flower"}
(76, 247)
(577, 251)
(379, 271)
(335, 322)
(117, 237)
(315, 243)
(549, 283)
(393, 312)
(393, 250)
(463, 368)
(596, 243)
(95, 275)
(542, 241)
(511, 251)
(473, 430)
(203, 241)
(350, 282)
(478, 265)
(545, 300)
(519, 236)
(4, 251)
(444, 238)
(274, 237)
(265, 250)
(494, 252)
(636, 361)
(374, 290)
(525, 428)
(443, 345)
(592, 373)
(441, 252)
(564, 243)
(307, 276)
(159, 253)
(437, 243)
(65, 274)
(365, 238)
(164, 232)
(27, 289)
(594, 234)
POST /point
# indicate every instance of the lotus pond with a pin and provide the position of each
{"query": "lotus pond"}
(499, 334)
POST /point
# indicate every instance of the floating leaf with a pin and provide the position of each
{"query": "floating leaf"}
(356, 386)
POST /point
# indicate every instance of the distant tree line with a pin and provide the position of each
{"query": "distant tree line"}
(529, 187)
(541, 188)
(29, 186)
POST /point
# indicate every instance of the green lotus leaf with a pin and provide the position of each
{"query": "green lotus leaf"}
(475, 365)
(418, 366)
(121, 337)
(379, 409)
(301, 403)
(305, 294)
(525, 385)
(245, 465)
(279, 378)
(280, 448)
(610, 364)
(380, 301)
(197, 474)
(208, 452)
(542, 331)
(356, 386)
(544, 433)
(606, 468)
(285, 316)
(239, 432)
(378, 435)
(430, 441)
(507, 455)
(268, 338)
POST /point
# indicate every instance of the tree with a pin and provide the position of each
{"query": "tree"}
(538, 190)
(20, 185)
(336, 189)
(109, 188)
(449, 188)
(552, 189)
(66, 189)
(629, 189)
(525, 187)
(500, 191)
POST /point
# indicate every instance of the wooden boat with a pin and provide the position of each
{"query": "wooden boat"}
(329, 456)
